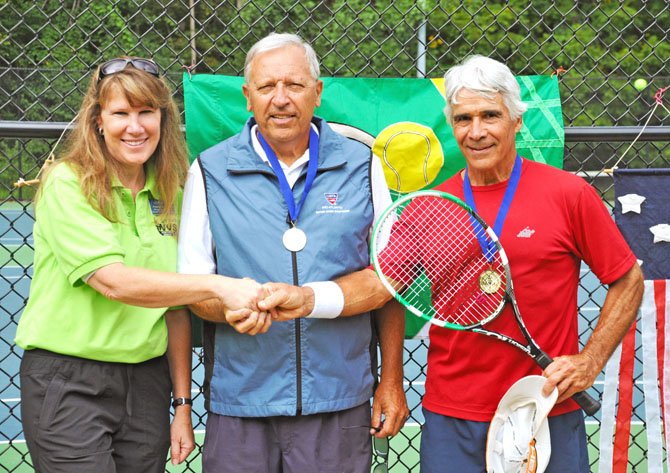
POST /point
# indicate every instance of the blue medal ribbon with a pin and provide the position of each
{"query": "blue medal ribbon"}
(489, 248)
(287, 192)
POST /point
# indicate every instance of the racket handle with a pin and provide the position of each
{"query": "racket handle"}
(586, 402)
(584, 399)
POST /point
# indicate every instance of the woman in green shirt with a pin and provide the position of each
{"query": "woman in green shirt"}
(105, 340)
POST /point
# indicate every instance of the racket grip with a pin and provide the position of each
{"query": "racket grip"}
(586, 402)
(584, 399)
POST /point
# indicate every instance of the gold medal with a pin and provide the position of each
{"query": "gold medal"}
(490, 281)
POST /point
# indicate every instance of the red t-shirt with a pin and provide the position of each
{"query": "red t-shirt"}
(555, 221)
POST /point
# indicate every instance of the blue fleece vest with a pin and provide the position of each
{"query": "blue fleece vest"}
(305, 366)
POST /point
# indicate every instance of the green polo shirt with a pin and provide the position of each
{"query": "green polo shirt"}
(64, 314)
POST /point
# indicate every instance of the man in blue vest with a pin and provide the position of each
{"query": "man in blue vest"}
(290, 200)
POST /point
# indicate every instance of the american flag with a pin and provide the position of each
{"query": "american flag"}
(642, 212)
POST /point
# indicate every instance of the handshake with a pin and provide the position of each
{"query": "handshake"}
(250, 307)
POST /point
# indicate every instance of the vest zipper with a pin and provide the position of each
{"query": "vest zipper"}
(298, 358)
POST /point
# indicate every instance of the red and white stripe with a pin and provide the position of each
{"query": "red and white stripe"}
(654, 321)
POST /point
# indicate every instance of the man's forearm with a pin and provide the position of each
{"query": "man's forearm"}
(390, 322)
(618, 313)
(389, 400)
(211, 310)
(363, 292)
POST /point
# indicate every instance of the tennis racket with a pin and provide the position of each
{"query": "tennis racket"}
(446, 265)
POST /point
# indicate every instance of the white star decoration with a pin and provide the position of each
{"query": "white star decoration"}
(631, 203)
(661, 232)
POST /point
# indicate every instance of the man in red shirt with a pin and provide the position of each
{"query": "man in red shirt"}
(550, 222)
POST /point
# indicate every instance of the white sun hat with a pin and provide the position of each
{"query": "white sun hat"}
(518, 439)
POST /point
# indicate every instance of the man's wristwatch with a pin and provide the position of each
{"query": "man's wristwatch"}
(180, 401)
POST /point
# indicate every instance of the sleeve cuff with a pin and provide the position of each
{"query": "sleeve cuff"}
(328, 300)
(83, 273)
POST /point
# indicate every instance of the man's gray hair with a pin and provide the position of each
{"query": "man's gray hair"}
(486, 77)
(280, 40)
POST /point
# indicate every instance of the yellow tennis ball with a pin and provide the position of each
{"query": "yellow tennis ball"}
(640, 84)
(411, 155)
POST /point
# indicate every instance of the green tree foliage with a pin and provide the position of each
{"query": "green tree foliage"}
(48, 48)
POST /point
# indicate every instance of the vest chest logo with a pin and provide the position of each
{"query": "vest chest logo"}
(333, 204)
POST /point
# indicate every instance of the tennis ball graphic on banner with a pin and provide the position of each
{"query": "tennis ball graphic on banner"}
(411, 155)
(640, 84)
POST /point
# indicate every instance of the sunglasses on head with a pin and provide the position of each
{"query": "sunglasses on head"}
(117, 65)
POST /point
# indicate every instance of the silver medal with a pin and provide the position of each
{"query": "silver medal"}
(294, 239)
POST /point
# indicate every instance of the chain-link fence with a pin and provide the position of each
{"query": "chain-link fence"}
(48, 48)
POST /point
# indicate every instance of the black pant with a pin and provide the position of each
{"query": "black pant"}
(88, 416)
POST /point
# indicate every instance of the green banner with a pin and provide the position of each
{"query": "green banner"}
(402, 120)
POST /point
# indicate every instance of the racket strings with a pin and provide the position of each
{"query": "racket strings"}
(462, 301)
(434, 260)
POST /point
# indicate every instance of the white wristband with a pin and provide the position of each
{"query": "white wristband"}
(328, 300)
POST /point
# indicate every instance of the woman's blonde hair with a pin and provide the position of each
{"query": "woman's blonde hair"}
(87, 153)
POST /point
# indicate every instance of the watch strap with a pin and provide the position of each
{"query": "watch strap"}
(180, 401)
